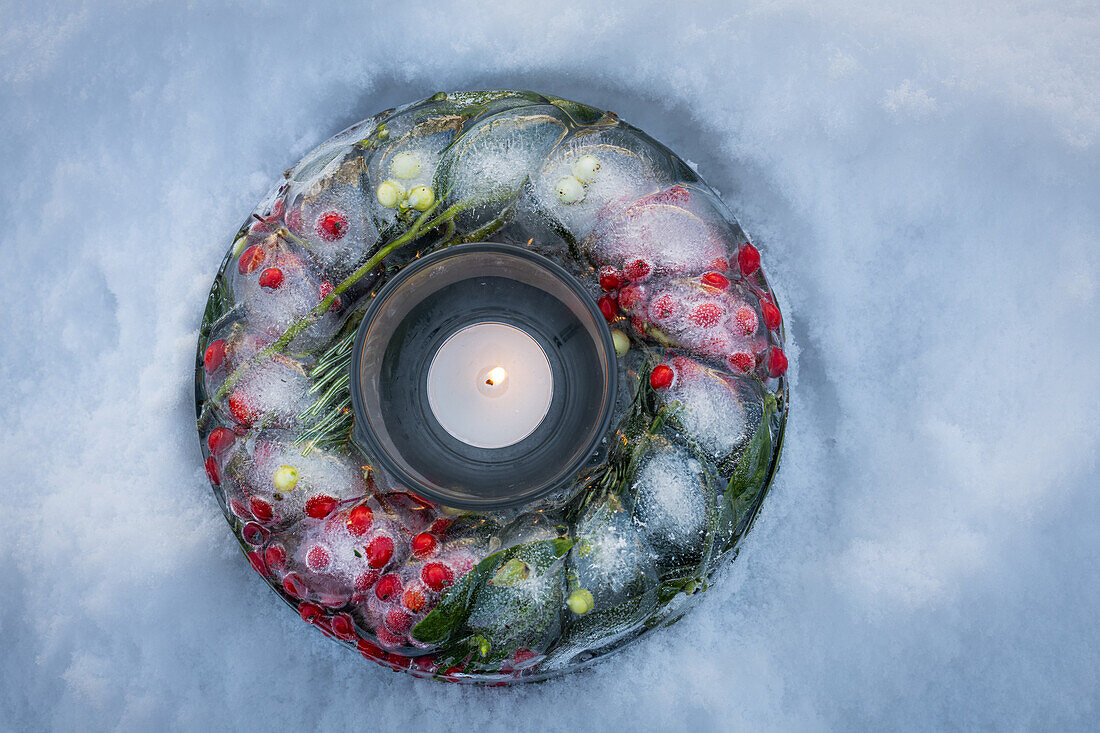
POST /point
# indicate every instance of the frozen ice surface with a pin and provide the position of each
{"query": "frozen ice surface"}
(921, 178)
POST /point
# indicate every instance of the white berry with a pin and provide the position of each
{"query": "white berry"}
(286, 478)
(420, 198)
(570, 190)
(621, 341)
(586, 167)
(405, 165)
(390, 193)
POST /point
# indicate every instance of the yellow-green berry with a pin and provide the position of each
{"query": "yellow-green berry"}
(570, 190)
(621, 340)
(580, 601)
(390, 193)
(586, 168)
(286, 478)
(421, 198)
(405, 165)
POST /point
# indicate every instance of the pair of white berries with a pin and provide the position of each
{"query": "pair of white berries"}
(570, 189)
(391, 193)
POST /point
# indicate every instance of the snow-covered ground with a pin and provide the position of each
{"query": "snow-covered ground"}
(923, 179)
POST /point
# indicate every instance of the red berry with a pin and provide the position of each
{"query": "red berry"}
(390, 640)
(424, 545)
(437, 576)
(716, 280)
(343, 627)
(745, 320)
(219, 440)
(661, 376)
(320, 506)
(212, 473)
(742, 361)
(364, 580)
(748, 259)
(637, 270)
(663, 307)
(275, 556)
(254, 534)
(325, 291)
(707, 315)
(440, 525)
(214, 355)
(379, 551)
(777, 361)
(251, 259)
(239, 509)
(261, 509)
(271, 278)
(359, 520)
(318, 558)
(310, 612)
(414, 598)
(242, 407)
(772, 316)
(398, 621)
(294, 586)
(425, 663)
(630, 296)
(610, 278)
(608, 307)
(387, 587)
(257, 563)
(332, 225)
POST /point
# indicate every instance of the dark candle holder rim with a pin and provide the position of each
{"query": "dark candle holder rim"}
(365, 437)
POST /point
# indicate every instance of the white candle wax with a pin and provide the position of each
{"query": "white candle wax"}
(490, 385)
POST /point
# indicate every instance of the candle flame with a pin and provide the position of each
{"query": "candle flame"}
(496, 376)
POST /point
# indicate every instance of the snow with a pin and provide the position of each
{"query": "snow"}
(921, 179)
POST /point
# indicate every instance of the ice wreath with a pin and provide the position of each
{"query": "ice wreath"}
(519, 594)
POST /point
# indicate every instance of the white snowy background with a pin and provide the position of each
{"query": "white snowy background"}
(923, 180)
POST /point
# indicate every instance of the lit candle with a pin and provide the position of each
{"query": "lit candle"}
(490, 385)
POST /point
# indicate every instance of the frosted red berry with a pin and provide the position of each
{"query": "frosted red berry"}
(320, 506)
(332, 225)
(663, 307)
(742, 361)
(398, 621)
(772, 316)
(414, 599)
(261, 509)
(390, 640)
(777, 361)
(318, 558)
(359, 520)
(343, 627)
(364, 580)
(661, 376)
(214, 355)
(608, 307)
(295, 586)
(424, 545)
(387, 587)
(271, 278)
(707, 315)
(610, 278)
(212, 473)
(716, 280)
(310, 612)
(219, 440)
(748, 259)
(436, 575)
(744, 318)
(251, 259)
(630, 296)
(254, 534)
(275, 556)
(379, 551)
(637, 270)
(242, 407)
